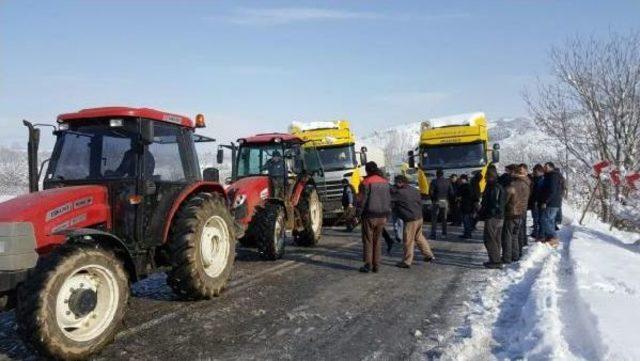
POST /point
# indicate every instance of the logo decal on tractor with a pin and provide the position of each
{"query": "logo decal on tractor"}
(70, 223)
(68, 207)
(172, 118)
(83, 202)
(57, 212)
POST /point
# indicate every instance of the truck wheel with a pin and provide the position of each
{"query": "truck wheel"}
(202, 247)
(270, 225)
(74, 302)
(310, 210)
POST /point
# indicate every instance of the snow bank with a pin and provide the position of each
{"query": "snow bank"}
(578, 302)
(4, 197)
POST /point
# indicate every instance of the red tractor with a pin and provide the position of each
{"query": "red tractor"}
(272, 191)
(122, 197)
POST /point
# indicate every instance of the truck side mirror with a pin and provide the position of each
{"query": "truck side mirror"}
(495, 155)
(211, 174)
(146, 131)
(411, 160)
(220, 156)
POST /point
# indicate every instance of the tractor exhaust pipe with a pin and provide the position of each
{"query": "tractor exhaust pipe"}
(32, 151)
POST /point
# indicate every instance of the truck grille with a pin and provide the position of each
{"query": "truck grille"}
(330, 190)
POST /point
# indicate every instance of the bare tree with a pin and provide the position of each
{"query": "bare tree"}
(592, 104)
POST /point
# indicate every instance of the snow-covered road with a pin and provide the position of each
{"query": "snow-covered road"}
(577, 302)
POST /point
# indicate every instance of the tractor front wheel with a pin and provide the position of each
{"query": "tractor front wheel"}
(310, 211)
(202, 247)
(74, 303)
(270, 226)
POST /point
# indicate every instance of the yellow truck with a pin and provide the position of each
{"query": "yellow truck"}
(460, 146)
(340, 158)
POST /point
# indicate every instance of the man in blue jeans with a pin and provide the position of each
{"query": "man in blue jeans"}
(550, 202)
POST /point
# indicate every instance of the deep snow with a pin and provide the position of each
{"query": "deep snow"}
(577, 302)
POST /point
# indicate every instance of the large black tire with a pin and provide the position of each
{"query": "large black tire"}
(63, 281)
(310, 211)
(270, 226)
(202, 247)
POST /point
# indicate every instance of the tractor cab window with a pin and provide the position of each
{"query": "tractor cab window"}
(253, 158)
(165, 149)
(93, 151)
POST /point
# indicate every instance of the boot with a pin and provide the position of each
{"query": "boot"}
(365, 269)
(402, 265)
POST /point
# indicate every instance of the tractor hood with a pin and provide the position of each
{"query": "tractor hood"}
(247, 193)
(53, 211)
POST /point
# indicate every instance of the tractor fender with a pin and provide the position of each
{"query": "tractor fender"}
(211, 187)
(108, 241)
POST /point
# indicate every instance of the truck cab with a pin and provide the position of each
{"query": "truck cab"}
(458, 147)
(337, 151)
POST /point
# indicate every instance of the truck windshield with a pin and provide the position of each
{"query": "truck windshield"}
(252, 158)
(334, 158)
(453, 156)
(93, 152)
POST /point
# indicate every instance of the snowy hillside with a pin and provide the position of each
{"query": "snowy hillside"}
(519, 139)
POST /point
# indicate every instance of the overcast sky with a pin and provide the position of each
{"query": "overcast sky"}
(257, 66)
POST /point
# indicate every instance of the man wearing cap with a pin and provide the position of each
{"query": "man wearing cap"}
(374, 207)
(278, 172)
(407, 205)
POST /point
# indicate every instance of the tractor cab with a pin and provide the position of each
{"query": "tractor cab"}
(272, 186)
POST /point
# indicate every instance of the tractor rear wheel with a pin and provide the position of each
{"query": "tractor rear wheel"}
(270, 226)
(310, 211)
(202, 247)
(74, 303)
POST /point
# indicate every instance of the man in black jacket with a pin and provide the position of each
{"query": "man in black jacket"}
(407, 205)
(492, 212)
(440, 191)
(468, 201)
(550, 202)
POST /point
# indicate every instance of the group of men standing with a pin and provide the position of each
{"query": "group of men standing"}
(503, 207)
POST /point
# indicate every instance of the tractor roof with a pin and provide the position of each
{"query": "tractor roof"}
(148, 113)
(271, 138)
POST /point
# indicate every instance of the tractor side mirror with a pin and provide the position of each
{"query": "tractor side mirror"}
(146, 131)
(495, 156)
(211, 174)
(220, 156)
(412, 159)
(496, 146)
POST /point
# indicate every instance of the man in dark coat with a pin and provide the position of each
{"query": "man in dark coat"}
(348, 205)
(407, 205)
(440, 191)
(492, 212)
(468, 202)
(550, 202)
(516, 205)
(537, 180)
(374, 207)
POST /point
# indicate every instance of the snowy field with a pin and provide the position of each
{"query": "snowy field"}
(577, 302)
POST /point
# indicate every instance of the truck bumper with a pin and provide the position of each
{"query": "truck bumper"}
(9, 280)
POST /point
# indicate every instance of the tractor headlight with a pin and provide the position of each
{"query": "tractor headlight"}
(264, 194)
(239, 200)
